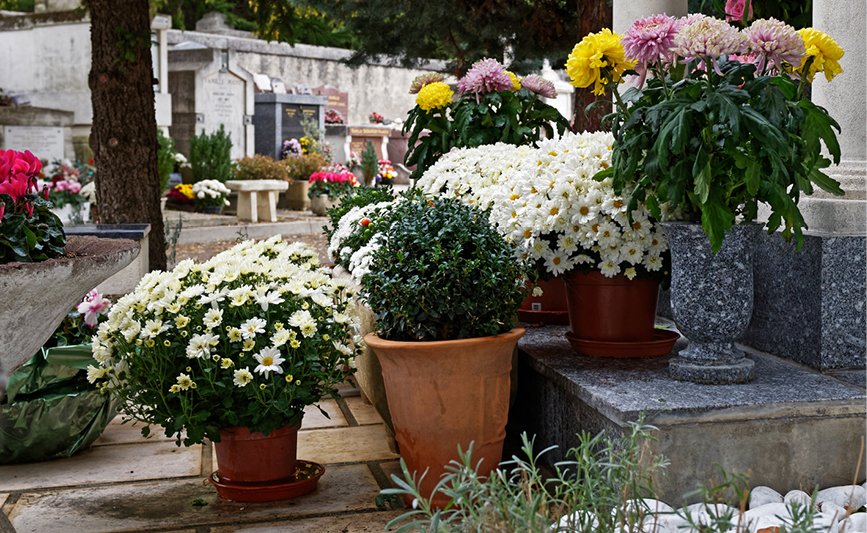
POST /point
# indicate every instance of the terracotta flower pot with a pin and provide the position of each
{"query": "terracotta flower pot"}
(445, 394)
(244, 457)
(549, 308)
(611, 309)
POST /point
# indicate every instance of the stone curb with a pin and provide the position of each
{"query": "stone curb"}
(249, 231)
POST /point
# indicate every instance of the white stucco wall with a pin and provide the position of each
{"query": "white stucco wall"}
(372, 88)
(50, 64)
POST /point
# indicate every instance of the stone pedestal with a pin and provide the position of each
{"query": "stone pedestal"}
(257, 199)
(810, 305)
(791, 428)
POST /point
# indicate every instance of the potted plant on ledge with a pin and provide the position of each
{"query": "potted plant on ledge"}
(720, 126)
(327, 186)
(210, 196)
(445, 288)
(232, 350)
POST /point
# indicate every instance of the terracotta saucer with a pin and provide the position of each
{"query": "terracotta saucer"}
(306, 477)
(662, 344)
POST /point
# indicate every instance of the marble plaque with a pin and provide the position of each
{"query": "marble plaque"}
(45, 142)
(224, 95)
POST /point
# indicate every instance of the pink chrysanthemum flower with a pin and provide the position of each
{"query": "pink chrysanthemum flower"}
(485, 76)
(774, 42)
(539, 85)
(707, 38)
(425, 79)
(650, 40)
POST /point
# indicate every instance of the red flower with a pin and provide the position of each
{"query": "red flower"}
(365, 222)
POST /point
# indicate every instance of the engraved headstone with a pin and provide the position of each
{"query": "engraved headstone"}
(278, 118)
(43, 141)
(338, 100)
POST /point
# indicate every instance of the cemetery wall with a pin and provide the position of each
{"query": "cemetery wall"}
(372, 88)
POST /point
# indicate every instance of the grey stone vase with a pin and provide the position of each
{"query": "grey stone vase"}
(712, 302)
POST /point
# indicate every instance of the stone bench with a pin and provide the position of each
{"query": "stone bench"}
(257, 199)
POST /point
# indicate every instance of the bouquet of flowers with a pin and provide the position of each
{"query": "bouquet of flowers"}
(334, 184)
(354, 160)
(291, 148)
(64, 179)
(547, 204)
(493, 106)
(333, 117)
(246, 339)
(386, 174)
(210, 193)
(181, 194)
(719, 121)
(375, 118)
(29, 231)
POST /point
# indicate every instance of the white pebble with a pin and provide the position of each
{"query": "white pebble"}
(832, 509)
(702, 514)
(856, 523)
(763, 496)
(799, 496)
(850, 496)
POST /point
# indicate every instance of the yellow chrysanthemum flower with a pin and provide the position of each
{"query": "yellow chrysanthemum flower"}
(598, 59)
(825, 53)
(516, 83)
(434, 96)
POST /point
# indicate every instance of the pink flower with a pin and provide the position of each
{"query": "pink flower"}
(74, 187)
(92, 306)
(735, 9)
(774, 42)
(485, 76)
(424, 79)
(17, 185)
(61, 186)
(539, 85)
(706, 38)
(650, 40)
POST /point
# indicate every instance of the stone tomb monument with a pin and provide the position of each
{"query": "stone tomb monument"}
(209, 90)
(338, 101)
(378, 135)
(47, 133)
(278, 118)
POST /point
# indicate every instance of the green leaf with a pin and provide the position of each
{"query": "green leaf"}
(716, 219)
(825, 182)
(31, 238)
(702, 174)
(753, 177)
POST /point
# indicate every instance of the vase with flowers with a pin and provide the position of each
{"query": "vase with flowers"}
(564, 223)
(327, 187)
(210, 196)
(493, 105)
(445, 288)
(717, 124)
(231, 350)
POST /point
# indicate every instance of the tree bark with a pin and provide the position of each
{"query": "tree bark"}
(593, 16)
(124, 133)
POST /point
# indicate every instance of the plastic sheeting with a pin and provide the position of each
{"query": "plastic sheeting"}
(50, 410)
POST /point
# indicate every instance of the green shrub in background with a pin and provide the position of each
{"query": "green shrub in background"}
(165, 159)
(300, 168)
(260, 167)
(369, 164)
(210, 156)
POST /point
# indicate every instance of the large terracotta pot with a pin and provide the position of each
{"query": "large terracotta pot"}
(613, 309)
(244, 457)
(296, 195)
(445, 394)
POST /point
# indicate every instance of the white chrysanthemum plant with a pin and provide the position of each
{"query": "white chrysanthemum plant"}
(549, 207)
(211, 192)
(246, 339)
(357, 237)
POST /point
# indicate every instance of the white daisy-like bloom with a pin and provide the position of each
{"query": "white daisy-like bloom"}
(631, 252)
(345, 350)
(252, 326)
(239, 296)
(652, 263)
(242, 377)
(608, 234)
(585, 210)
(269, 361)
(630, 272)
(300, 317)
(200, 345)
(658, 242)
(557, 262)
(609, 268)
(308, 329)
(131, 331)
(567, 243)
(184, 381)
(153, 327)
(213, 318)
(94, 374)
(213, 297)
(266, 300)
(280, 338)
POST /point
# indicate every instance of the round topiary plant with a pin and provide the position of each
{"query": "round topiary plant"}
(441, 273)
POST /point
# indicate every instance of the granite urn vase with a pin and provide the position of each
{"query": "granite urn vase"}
(712, 302)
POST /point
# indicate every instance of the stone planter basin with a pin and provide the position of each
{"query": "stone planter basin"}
(36, 296)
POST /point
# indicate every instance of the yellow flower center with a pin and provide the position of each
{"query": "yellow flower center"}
(556, 260)
(267, 361)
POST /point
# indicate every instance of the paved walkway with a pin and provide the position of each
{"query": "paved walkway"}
(125, 482)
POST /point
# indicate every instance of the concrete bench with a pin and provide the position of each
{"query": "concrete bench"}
(257, 199)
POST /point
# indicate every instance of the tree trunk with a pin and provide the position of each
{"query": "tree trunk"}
(593, 16)
(124, 132)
